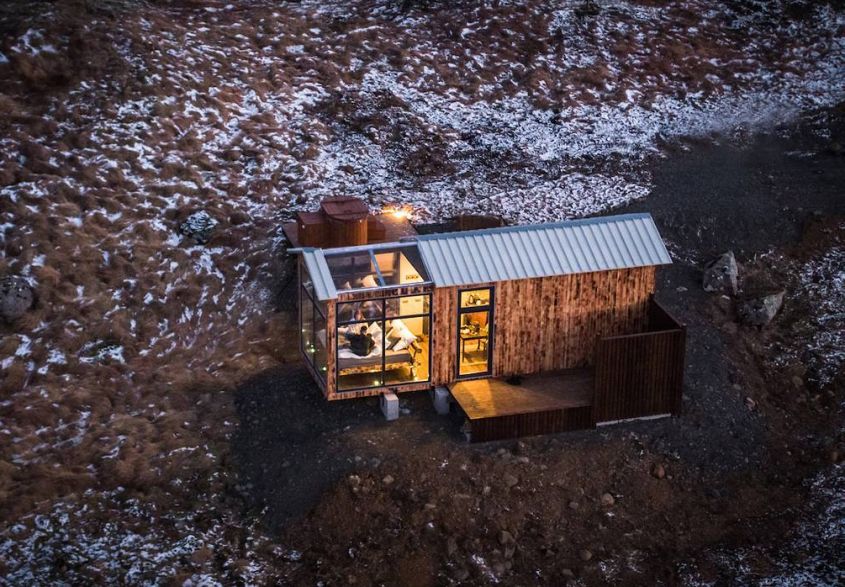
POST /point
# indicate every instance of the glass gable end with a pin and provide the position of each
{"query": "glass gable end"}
(372, 268)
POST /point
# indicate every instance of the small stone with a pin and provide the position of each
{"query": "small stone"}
(658, 471)
(585, 554)
(750, 404)
(388, 479)
(198, 226)
(568, 573)
(461, 574)
(680, 289)
(510, 480)
(16, 298)
(607, 500)
(573, 505)
(797, 381)
(506, 537)
(451, 546)
(354, 483)
(486, 490)
(720, 274)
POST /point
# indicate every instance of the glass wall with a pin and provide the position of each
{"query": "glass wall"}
(383, 342)
(312, 324)
(475, 332)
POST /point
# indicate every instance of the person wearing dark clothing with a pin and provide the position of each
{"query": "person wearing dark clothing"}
(362, 343)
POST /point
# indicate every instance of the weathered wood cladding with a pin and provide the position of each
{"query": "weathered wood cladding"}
(444, 351)
(553, 323)
(331, 348)
(391, 292)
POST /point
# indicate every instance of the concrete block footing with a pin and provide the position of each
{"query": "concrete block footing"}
(389, 403)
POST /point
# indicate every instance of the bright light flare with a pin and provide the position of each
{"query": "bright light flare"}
(399, 212)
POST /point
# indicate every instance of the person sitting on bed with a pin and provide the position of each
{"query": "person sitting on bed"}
(362, 343)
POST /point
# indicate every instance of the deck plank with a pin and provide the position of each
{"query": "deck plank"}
(492, 397)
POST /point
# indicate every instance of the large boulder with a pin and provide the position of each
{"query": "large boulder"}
(720, 274)
(759, 311)
(16, 298)
(198, 226)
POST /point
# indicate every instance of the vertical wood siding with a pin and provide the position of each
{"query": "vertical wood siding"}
(548, 323)
(518, 425)
(331, 350)
(444, 359)
(642, 374)
(553, 323)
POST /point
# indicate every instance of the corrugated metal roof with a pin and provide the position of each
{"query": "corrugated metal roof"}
(542, 250)
(315, 262)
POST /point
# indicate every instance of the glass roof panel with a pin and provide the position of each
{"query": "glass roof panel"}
(365, 268)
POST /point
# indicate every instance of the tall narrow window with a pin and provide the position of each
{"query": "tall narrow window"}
(475, 332)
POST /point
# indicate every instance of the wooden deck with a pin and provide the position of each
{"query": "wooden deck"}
(541, 404)
(395, 228)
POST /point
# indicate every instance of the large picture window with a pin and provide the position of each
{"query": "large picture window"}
(384, 341)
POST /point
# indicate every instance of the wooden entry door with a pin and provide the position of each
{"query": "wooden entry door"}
(475, 332)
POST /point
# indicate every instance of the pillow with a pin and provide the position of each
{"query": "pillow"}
(375, 330)
(393, 336)
(369, 281)
(400, 345)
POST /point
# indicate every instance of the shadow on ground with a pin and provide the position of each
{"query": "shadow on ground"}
(292, 445)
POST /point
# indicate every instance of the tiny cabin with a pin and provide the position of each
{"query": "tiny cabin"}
(490, 313)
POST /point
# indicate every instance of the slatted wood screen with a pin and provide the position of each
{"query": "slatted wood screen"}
(641, 375)
(518, 425)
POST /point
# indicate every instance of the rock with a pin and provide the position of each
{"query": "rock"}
(658, 471)
(16, 298)
(797, 381)
(607, 500)
(568, 573)
(354, 482)
(510, 480)
(720, 275)
(750, 404)
(461, 574)
(573, 505)
(198, 226)
(451, 546)
(506, 538)
(585, 554)
(388, 479)
(760, 311)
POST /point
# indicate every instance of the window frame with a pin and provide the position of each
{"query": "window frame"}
(382, 322)
(491, 330)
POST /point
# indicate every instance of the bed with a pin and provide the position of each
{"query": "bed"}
(349, 362)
